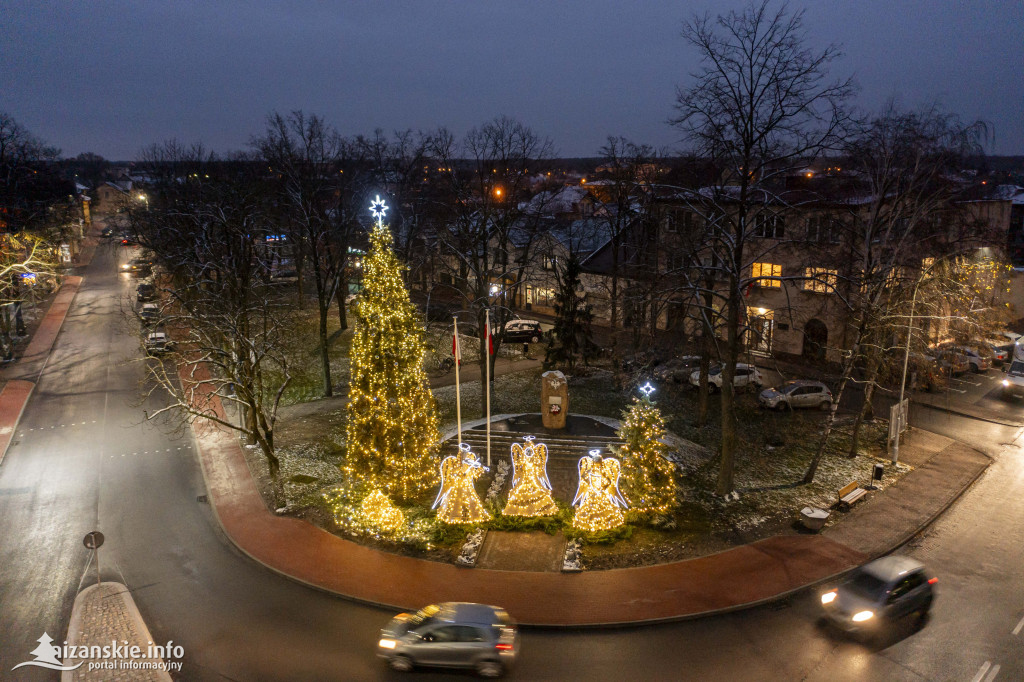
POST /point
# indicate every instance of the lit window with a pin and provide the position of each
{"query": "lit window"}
(820, 280)
(760, 271)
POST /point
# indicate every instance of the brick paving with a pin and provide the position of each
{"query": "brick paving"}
(730, 580)
(103, 614)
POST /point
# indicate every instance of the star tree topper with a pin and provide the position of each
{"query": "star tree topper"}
(378, 208)
(647, 389)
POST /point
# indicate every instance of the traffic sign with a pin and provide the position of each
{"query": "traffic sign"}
(93, 540)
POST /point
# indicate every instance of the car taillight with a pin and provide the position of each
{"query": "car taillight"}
(503, 647)
(932, 581)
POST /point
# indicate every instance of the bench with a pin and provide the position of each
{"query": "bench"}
(850, 493)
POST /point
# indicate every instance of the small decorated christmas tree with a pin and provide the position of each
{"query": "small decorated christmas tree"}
(392, 431)
(647, 475)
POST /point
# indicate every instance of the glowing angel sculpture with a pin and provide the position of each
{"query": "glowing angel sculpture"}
(598, 498)
(531, 489)
(457, 500)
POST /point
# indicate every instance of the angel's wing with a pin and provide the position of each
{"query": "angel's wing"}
(517, 463)
(540, 452)
(448, 466)
(585, 464)
(612, 470)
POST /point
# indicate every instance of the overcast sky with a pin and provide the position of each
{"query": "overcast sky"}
(112, 77)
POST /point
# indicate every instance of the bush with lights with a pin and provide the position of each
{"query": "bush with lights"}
(392, 430)
(648, 476)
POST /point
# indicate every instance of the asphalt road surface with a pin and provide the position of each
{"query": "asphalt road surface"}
(83, 460)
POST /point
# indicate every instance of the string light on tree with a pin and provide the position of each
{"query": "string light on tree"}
(378, 512)
(391, 433)
(648, 475)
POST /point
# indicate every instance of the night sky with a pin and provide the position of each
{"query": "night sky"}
(113, 77)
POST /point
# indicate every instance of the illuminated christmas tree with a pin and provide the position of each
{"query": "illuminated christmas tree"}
(392, 430)
(648, 476)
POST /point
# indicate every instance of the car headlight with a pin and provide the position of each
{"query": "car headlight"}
(862, 616)
(1006, 382)
(828, 597)
(386, 643)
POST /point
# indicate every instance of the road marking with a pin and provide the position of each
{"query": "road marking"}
(1016, 630)
(981, 673)
(992, 674)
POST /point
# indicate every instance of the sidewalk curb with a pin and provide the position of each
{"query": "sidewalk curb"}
(970, 415)
(851, 561)
(13, 398)
(75, 626)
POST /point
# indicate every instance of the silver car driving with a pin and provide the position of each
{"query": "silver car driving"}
(451, 635)
(880, 592)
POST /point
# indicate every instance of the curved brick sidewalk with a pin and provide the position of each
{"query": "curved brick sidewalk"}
(297, 549)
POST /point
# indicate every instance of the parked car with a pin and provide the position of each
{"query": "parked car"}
(951, 361)
(452, 635)
(879, 593)
(999, 351)
(677, 369)
(924, 372)
(747, 376)
(793, 394)
(149, 313)
(145, 292)
(1013, 382)
(977, 361)
(519, 331)
(157, 343)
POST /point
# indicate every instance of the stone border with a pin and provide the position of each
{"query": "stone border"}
(76, 628)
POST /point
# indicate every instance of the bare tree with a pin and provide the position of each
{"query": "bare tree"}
(760, 103)
(228, 324)
(904, 212)
(316, 182)
(488, 185)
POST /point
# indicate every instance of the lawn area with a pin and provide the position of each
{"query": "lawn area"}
(774, 451)
(304, 359)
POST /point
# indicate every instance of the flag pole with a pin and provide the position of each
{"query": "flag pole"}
(487, 365)
(458, 402)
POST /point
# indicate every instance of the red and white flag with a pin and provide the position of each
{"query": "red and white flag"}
(490, 337)
(456, 347)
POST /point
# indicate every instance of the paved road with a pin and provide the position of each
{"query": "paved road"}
(83, 461)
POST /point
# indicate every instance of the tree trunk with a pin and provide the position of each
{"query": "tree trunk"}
(866, 410)
(342, 306)
(847, 371)
(299, 282)
(325, 356)
(728, 455)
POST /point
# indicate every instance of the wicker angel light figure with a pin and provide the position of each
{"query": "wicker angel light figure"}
(531, 489)
(457, 500)
(599, 501)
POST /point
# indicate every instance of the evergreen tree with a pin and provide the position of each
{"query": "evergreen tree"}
(392, 431)
(572, 339)
(648, 479)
